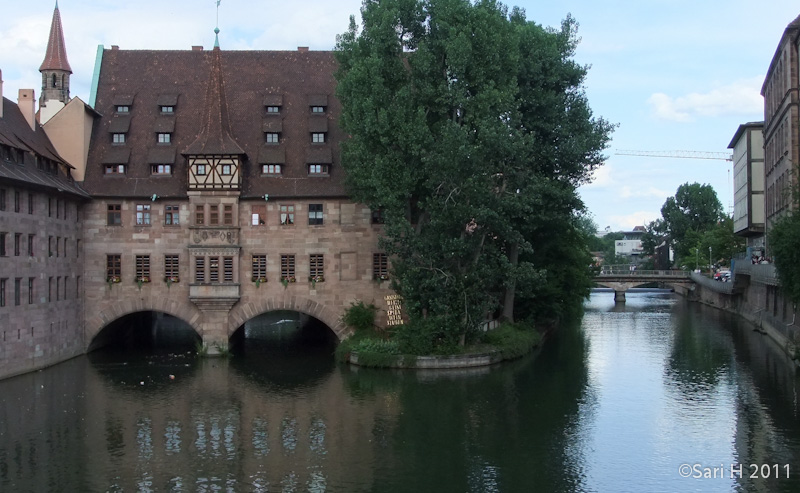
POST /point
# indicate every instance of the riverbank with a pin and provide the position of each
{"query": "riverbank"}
(756, 299)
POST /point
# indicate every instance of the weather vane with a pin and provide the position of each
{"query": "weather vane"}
(216, 29)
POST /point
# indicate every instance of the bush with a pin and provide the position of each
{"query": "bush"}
(512, 340)
(360, 316)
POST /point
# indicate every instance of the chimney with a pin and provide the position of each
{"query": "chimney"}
(1, 94)
(302, 49)
(197, 48)
(27, 105)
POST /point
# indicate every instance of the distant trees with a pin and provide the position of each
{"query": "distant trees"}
(691, 222)
(470, 131)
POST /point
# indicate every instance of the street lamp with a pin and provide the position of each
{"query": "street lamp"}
(709, 259)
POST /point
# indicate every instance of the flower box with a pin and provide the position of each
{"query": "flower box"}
(289, 279)
(114, 279)
(143, 279)
(382, 277)
(171, 279)
(316, 279)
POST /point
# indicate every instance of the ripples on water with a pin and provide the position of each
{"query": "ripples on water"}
(615, 403)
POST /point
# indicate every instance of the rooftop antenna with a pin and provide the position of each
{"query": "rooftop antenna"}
(216, 29)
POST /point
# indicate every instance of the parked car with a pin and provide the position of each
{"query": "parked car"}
(722, 276)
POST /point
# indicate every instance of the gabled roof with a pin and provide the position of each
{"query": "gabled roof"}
(215, 137)
(232, 123)
(790, 34)
(55, 57)
(16, 133)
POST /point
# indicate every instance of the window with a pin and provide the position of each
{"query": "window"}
(200, 169)
(3, 244)
(271, 169)
(199, 269)
(318, 137)
(3, 292)
(49, 246)
(65, 247)
(118, 138)
(316, 267)
(58, 242)
(123, 108)
(30, 245)
(167, 109)
(16, 201)
(258, 215)
(17, 290)
(227, 170)
(30, 203)
(172, 216)
(113, 268)
(380, 266)
(318, 169)
(287, 215)
(114, 215)
(58, 288)
(314, 213)
(171, 267)
(213, 269)
(114, 169)
(259, 268)
(164, 138)
(58, 208)
(160, 169)
(273, 109)
(17, 241)
(287, 268)
(272, 137)
(143, 214)
(30, 290)
(376, 216)
(49, 289)
(227, 214)
(143, 268)
(2, 199)
(318, 109)
(227, 269)
(213, 215)
(199, 215)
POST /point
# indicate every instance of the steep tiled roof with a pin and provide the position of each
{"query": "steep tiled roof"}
(55, 57)
(209, 87)
(16, 133)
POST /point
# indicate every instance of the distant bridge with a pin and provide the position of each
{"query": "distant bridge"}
(621, 278)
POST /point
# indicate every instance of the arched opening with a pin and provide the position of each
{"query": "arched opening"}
(148, 332)
(285, 347)
(54, 81)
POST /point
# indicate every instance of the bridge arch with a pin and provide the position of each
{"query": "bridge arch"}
(325, 314)
(121, 307)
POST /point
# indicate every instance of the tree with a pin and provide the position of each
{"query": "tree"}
(693, 210)
(470, 132)
(784, 238)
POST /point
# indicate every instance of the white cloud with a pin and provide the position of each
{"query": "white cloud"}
(627, 192)
(601, 177)
(629, 221)
(742, 97)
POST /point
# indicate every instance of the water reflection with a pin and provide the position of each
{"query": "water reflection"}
(616, 401)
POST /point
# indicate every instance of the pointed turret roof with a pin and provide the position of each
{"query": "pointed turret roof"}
(56, 56)
(215, 136)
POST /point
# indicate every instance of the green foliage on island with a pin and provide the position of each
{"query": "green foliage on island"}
(513, 340)
(470, 131)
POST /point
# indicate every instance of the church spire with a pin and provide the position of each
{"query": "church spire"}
(55, 68)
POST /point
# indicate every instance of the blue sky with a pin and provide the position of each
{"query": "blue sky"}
(674, 74)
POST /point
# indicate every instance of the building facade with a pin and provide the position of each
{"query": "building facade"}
(748, 184)
(781, 125)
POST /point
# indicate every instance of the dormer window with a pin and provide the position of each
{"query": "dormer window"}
(118, 138)
(318, 137)
(272, 137)
(318, 169)
(273, 109)
(318, 109)
(164, 138)
(168, 109)
(161, 169)
(271, 169)
(123, 108)
(114, 169)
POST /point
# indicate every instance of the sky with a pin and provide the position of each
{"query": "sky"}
(674, 75)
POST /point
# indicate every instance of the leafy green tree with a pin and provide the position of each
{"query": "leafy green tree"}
(784, 238)
(470, 132)
(693, 210)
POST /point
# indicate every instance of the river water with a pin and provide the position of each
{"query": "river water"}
(631, 398)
